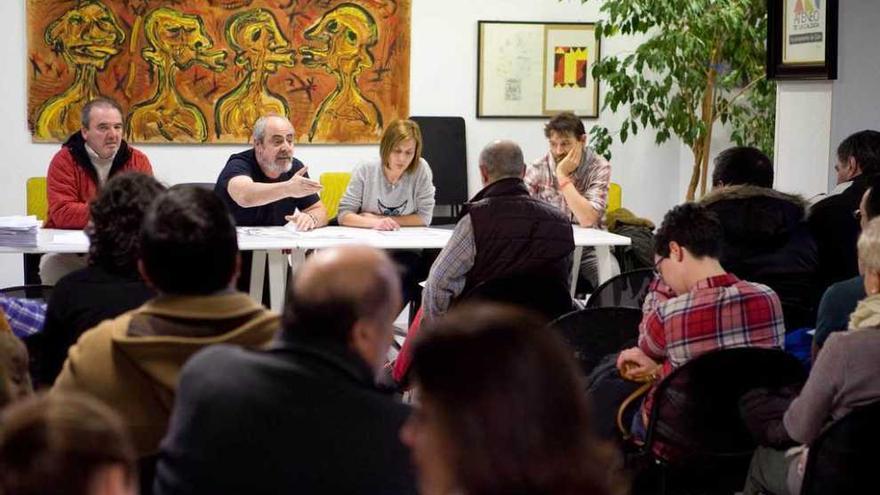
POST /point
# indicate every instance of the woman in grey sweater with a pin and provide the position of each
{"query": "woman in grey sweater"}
(844, 377)
(395, 191)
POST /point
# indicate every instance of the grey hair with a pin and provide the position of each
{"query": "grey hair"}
(502, 159)
(102, 102)
(869, 246)
(260, 127)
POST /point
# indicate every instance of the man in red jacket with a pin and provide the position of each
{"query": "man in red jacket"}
(85, 162)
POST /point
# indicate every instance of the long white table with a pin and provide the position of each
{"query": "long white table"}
(269, 244)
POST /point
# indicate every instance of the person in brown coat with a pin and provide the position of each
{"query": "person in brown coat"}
(189, 254)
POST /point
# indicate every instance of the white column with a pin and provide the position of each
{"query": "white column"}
(803, 134)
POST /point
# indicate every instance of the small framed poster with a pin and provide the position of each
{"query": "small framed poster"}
(536, 69)
(802, 39)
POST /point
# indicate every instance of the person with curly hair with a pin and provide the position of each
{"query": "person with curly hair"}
(110, 285)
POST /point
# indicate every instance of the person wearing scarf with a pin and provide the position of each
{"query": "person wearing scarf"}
(843, 378)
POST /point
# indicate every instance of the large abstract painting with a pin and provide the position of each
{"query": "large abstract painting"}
(197, 71)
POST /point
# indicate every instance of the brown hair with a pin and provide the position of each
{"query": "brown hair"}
(565, 123)
(511, 404)
(54, 444)
(15, 379)
(397, 131)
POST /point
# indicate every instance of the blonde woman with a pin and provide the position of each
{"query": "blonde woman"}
(395, 191)
(843, 378)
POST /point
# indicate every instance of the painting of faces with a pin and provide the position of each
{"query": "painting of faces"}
(202, 71)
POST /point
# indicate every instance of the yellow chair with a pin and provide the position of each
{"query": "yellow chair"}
(615, 197)
(37, 203)
(333, 185)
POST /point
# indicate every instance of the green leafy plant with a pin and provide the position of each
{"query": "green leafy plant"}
(701, 61)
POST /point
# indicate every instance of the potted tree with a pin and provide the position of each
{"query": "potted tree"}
(702, 62)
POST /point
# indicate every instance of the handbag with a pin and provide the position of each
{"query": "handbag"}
(647, 382)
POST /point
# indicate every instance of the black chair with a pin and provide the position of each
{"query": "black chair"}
(31, 291)
(842, 459)
(595, 333)
(627, 290)
(201, 185)
(543, 295)
(696, 439)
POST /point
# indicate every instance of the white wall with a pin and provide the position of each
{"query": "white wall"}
(443, 82)
(813, 117)
(803, 133)
(855, 103)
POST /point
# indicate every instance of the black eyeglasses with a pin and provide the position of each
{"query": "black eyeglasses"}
(657, 266)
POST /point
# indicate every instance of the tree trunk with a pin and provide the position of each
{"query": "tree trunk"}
(696, 149)
(703, 144)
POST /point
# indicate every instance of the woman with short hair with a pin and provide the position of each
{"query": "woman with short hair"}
(395, 191)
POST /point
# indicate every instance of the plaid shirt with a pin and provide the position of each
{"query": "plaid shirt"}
(718, 313)
(590, 179)
(25, 316)
(449, 272)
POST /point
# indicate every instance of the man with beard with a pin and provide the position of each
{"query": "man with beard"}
(573, 178)
(266, 186)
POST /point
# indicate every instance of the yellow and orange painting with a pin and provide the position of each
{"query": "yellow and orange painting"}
(202, 71)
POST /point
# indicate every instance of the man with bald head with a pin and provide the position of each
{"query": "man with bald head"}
(303, 416)
(266, 185)
(503, 232)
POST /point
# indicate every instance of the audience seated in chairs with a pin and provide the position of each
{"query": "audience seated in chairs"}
(843, 377)
(831, 220)
(110, 285)
(841, 298)
(189, 253)
(502, 232)
(502, 410)
(765, 235)
(700, 309)
(65, 444)
(303, 416)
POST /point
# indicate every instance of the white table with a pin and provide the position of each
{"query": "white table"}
(269, 243)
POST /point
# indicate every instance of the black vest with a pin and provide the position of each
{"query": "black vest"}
(517, 234)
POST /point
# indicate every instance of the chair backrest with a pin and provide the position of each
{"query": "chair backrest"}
(202, 185)
(546, 296)
(615, 197)
(843, 458)
(627, 290)
(333, 185)
(696, 411)
(594, 333)
(36, 291)
(37, 201)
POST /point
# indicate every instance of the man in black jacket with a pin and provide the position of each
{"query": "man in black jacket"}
(832, 220)
(304, 415)
(766, 238)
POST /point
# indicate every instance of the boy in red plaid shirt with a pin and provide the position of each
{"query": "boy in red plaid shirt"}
(694, 305)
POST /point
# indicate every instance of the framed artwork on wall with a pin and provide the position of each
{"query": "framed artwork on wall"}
(802, 39)
(203, 71)
(536, 69)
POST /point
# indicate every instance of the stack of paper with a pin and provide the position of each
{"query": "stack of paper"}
(19, 231)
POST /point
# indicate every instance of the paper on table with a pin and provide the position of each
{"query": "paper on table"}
(72, 237)
(414, 232)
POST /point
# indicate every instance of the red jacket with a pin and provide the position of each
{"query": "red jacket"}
(72, 181)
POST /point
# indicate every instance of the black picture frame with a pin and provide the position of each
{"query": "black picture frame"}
(541, 108)
(780, 69)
